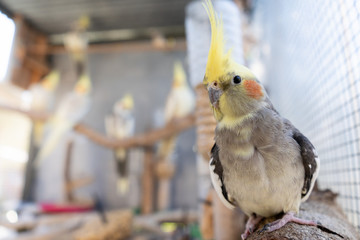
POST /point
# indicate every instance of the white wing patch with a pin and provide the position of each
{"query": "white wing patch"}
(217, 183)
(315, 175)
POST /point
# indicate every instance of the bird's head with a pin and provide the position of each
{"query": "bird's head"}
(233, 89)
(179, 75)
(125, 103)
(83, 85)
(51, 80)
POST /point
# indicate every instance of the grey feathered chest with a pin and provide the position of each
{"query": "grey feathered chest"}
(262, 164)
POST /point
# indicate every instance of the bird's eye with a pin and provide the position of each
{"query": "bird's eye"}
(236, 80)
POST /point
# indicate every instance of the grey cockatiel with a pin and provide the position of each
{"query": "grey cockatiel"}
(121, 125)
(260, 161)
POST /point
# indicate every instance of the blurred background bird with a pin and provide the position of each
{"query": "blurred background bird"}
(180, 103)
(71, 110)
(76, 43)
(119, 125)
(42, 101)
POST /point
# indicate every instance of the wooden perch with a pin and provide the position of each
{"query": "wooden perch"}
(322, 208)
(142, 140)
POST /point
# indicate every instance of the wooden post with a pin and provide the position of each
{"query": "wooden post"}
(28, 63)
(163, 197)
(164, 172)
(67, 173)
(148, 182)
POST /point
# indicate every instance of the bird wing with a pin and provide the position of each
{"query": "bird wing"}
(216, 173)
(311, 162)
(308, 153)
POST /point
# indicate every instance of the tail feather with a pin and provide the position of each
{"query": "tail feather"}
(122, 185)
(121, 156)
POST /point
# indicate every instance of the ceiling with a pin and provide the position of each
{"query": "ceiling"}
(57, 16)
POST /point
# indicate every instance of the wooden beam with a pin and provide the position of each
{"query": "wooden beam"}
(138, 46)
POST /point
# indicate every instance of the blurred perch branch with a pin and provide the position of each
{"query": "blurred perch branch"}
(142, 140)
(322, 207)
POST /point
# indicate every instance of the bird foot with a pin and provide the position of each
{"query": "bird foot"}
(288, 217)
(250, 226)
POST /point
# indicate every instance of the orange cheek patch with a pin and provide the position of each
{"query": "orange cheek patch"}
(253, 89)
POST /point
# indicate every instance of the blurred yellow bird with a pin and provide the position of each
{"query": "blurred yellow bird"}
(42, 100)
(119, 125)
(70, 111)
(180, 103)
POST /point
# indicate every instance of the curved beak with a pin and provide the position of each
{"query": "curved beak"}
(214, 95)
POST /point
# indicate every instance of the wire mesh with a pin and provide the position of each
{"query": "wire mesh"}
(311, 53)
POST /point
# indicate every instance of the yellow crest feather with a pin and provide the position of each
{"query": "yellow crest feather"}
(127, 101)
(83, 85)
(216, 57)
(179, 74)
(51, 80)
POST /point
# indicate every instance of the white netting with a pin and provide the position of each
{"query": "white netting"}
(312, 63)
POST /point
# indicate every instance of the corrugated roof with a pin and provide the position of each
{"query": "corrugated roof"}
(57, 16)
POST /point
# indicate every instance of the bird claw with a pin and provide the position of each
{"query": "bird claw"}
(251, 225)
(244, 235)
(265, 228)
(247, 233)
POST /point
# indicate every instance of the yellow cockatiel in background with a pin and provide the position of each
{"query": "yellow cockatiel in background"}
(260, 162)
(42, 101)
(119, 125)
(72, 108)
(180, 103)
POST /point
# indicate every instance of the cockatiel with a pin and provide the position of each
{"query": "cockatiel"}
(76, 42)
(70, 111)
(42, 99)
(180, 102)
(260, 161)
(121, 125)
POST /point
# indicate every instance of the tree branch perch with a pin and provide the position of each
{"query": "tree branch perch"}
(142, 140)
